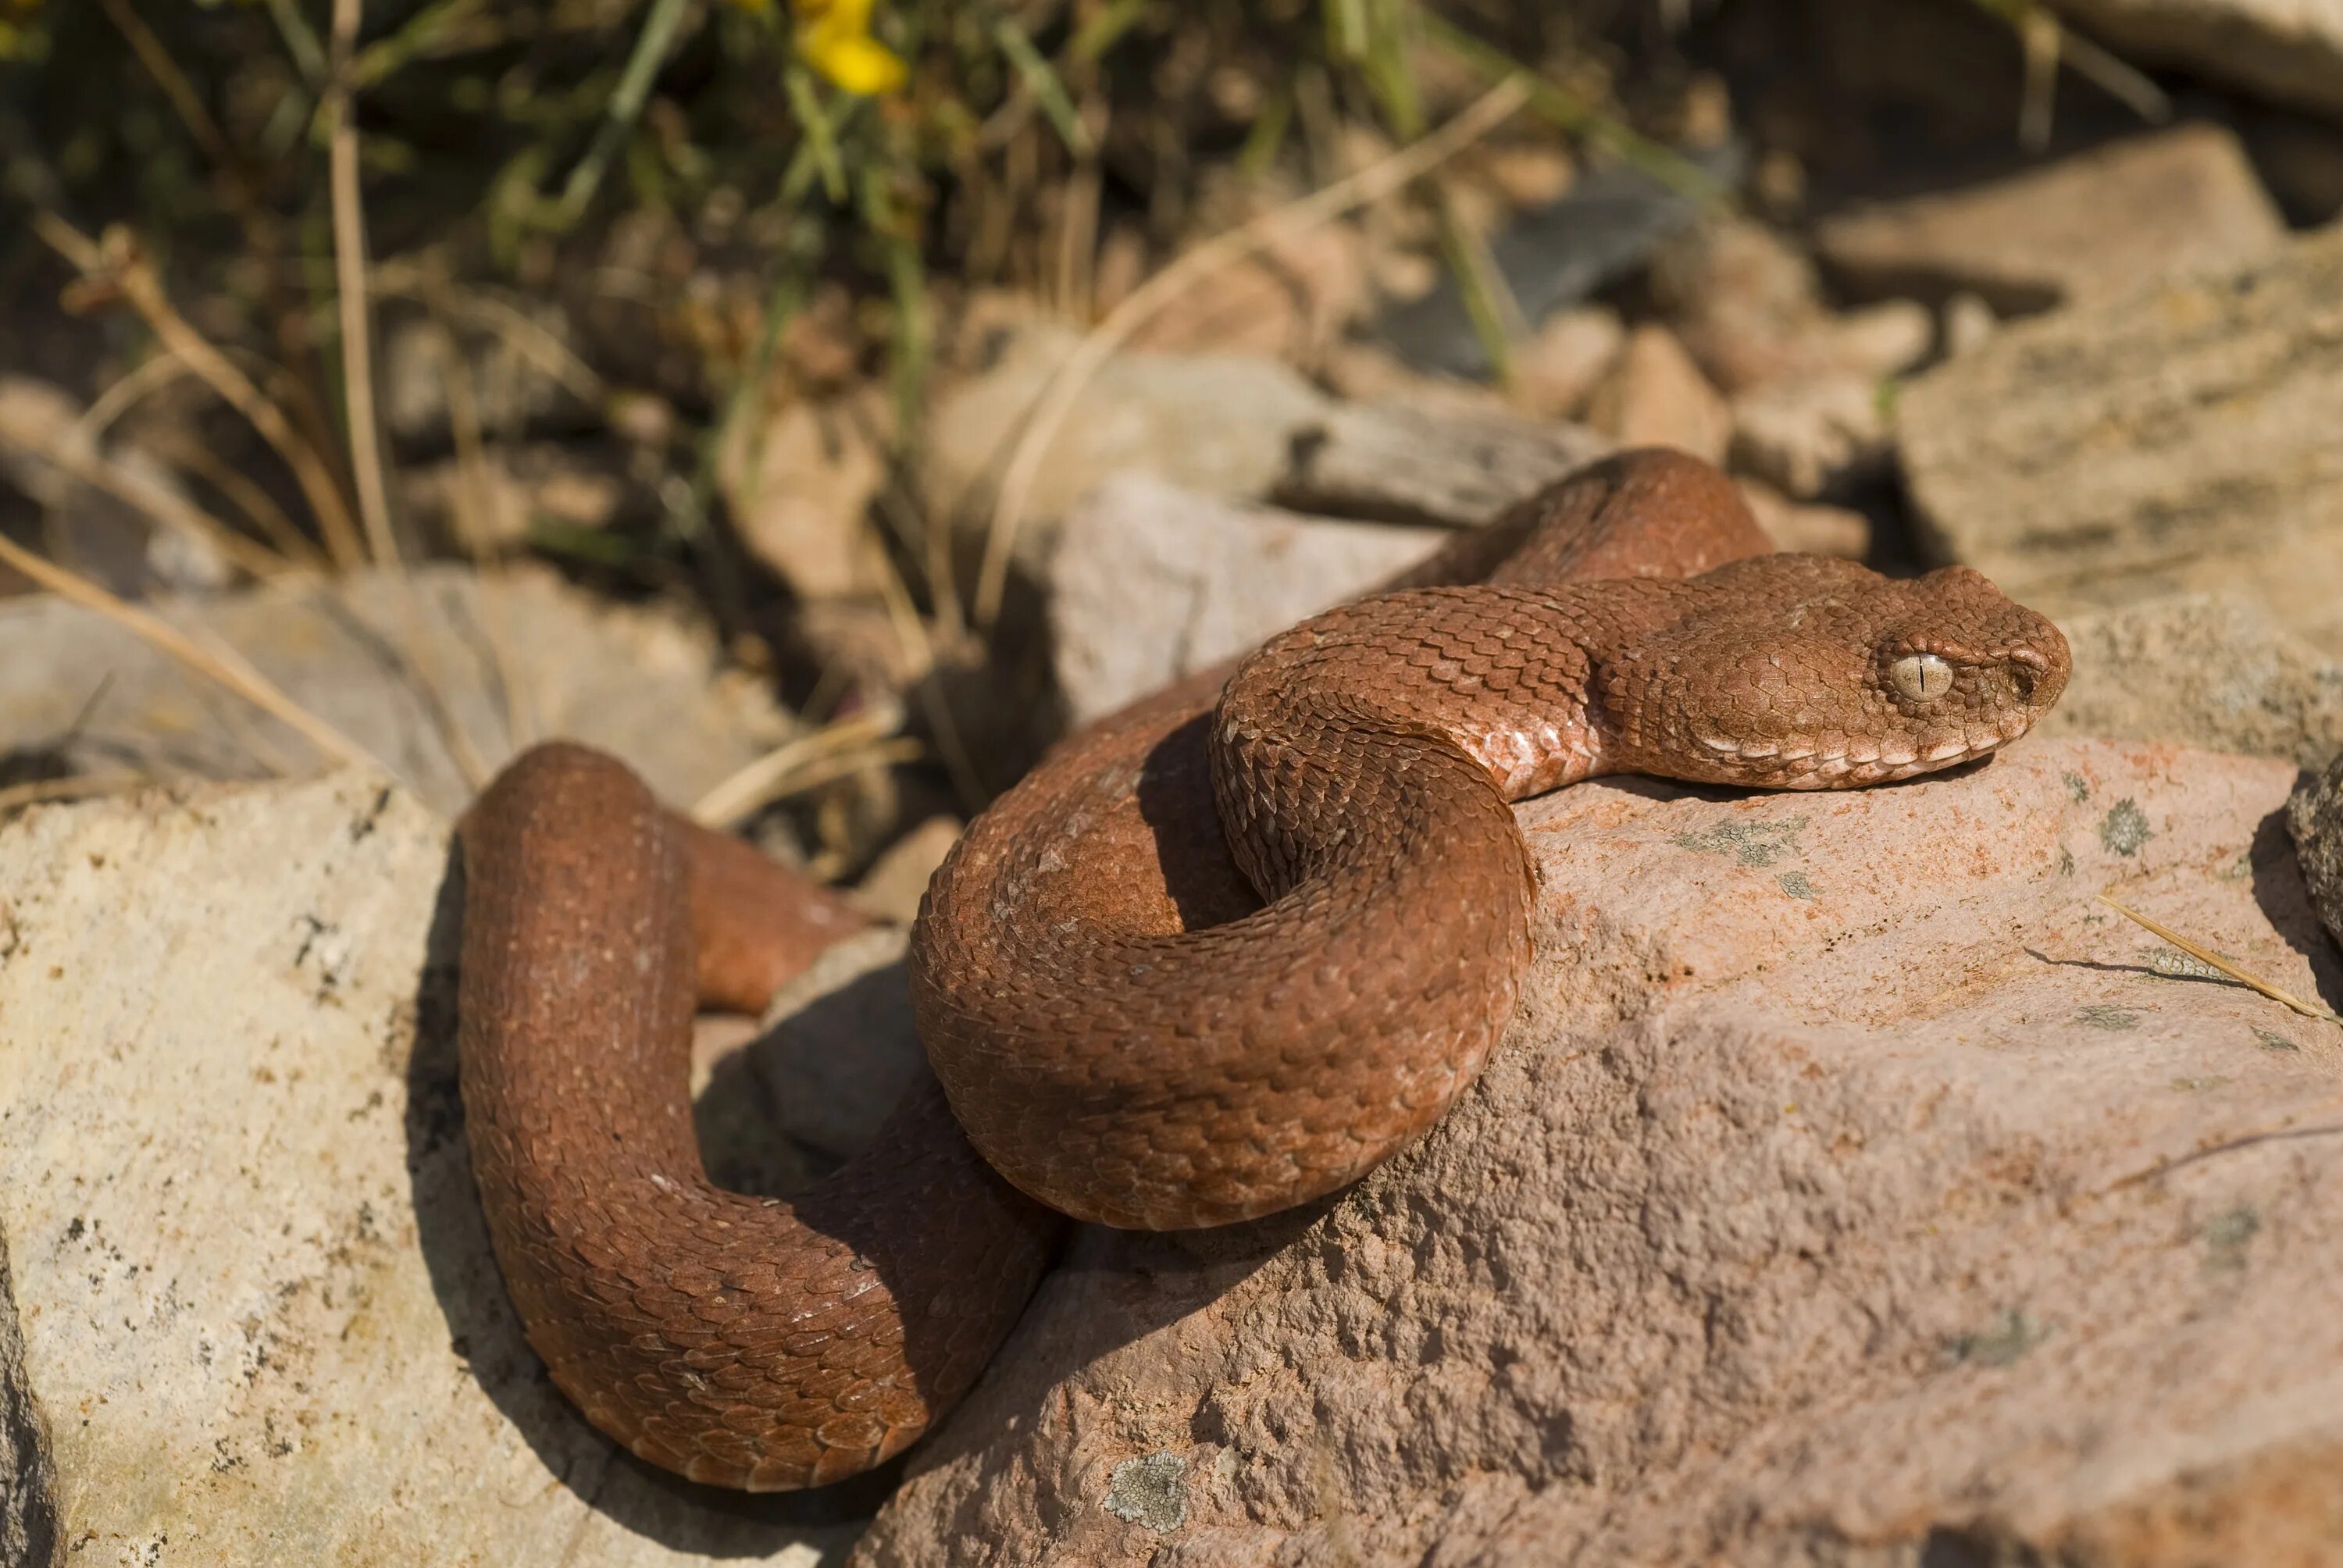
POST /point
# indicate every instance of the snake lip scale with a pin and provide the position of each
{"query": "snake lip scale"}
(1220, 954)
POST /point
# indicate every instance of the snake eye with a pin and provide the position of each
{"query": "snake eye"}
(1921, 677)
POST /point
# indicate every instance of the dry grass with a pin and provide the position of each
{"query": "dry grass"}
(223, 667)
(2212, 959)
(836, 750)
(1065, 387)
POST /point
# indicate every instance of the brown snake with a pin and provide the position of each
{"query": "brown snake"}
(1140, 1008)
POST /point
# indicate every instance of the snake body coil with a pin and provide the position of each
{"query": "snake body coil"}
(1211, 959)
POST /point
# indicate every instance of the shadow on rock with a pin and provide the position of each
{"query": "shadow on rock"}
(2284, 898)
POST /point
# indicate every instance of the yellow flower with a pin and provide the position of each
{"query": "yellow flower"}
(834, 36)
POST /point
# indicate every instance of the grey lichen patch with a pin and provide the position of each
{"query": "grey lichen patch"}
(1795, 883)
(2066, 862)
(2124, 829)
(1756, 844)
(2270, 1039)
(2009, 1337)
(2078, 788)
(1151, 1490)
(2227, 1235)
(2099, 1015)
(2238, 869)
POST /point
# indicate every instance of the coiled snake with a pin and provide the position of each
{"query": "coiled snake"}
(1209, 959)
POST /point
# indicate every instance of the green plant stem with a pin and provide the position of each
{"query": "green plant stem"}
(626, 104)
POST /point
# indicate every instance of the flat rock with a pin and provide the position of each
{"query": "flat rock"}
(1555, 370)
(1654, 395)
(1220, 422)
(2290, 51)
(2203, 671)
(1852, 1188)
(1553, 257)
(1813, 434)
(1749, 307)
(259, 1318)
(799, 483)
(1149, 582)
(1401, 459)
(2177, 440)
(441, 675)
(520, 489)
(2084, 228)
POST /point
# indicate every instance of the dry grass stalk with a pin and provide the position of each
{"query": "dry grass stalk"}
(846, 745)
(350, 288)
(912, 636)
(173, 511)
(116, 263)
(2208, 956)
(186, 102)
(1064, 388)
(17, 797)
(257, 506)
(223, 666)
(152, 374)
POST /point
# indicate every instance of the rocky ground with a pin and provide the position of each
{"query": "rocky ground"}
(1854, 1188)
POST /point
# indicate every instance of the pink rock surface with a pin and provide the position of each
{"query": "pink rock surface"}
(1851, 1187)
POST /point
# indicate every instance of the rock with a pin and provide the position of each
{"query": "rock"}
(28, 1511)
(441, 675)
(259, 1316)
(1527, 175)
(891, 890)
(516, 491)
(2290, 51)
(1810, 435)
(1654, 395)
(1289, 301)
(1558, 368)
(1968, 321)
(2082, 229)
(1748, 307)
(2315, 817)
(519, 362)
(1220, 423)
(800, 486)
(2179, 440)
(102, 499)
(1361, 372)
(2203, 671)
(1603, 228)
(1399, 460)
(1852, 1188)
(1808, 528)
(839, 1048)
(2301, 160)
(1151, 582)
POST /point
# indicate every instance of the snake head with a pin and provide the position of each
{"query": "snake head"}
(1799, 672)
